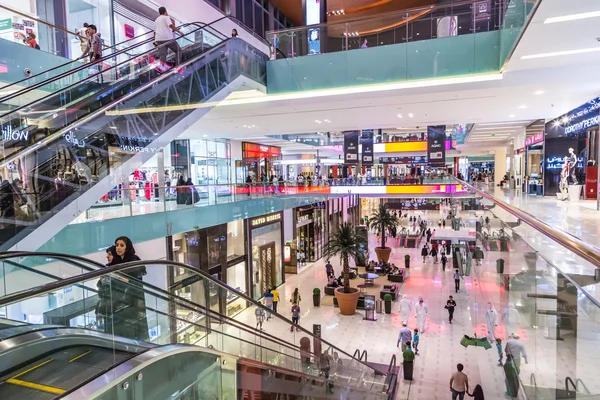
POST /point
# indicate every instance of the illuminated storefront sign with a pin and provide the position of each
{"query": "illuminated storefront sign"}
(8, 134)
(265, 219)
(587, 123)
(534, 139)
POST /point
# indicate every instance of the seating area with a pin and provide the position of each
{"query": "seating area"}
(390, 289)
(398, 278)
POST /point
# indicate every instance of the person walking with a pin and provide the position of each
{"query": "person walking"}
(450, 305)
(516, 349)
(499, 349)
(269, 302)
(477, 393)
(275, 294)
(424, 253)
(296, 298)
(512, 377)
(421, 314)
(408, 357)
(259, 313)
(428, 234)
(434, 254)
(444, 260)
(459, 383)
(491, 319)
(404, 336)
(295, 317)
(163, 35)
(405, 308)
(329, 270)
(456, 281)
(415, 341)
(84, 40)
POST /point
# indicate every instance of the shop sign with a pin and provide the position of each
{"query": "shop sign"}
(534, 139)
(5, 24)
(71, 138)
(267, 219)
(557, 162)
(138, 149)
(436, 145)
(303, 218)
(403, 160)
(351, 147)
(586, 123)
(519, 151)
(8, 134)
(129, 31)
(287, 254)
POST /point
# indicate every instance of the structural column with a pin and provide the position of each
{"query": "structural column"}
(499, 164)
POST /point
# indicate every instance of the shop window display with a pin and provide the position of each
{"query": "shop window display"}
(266, 258)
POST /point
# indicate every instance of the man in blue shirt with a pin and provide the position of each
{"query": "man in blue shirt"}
(329, 270)
(404, 337)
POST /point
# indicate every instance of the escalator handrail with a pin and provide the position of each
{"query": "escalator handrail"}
(67, 63)
(51, 287)
(567, 380)
(392, 365)
(577, 382)
(104, 108)
(87, 66)
(164, 295)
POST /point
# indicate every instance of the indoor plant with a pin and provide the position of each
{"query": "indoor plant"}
(387, 298)
(383, 220)
(346, 242)
(316, 297)
(407, 261)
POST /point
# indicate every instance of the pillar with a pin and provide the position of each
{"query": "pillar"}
(499, 164)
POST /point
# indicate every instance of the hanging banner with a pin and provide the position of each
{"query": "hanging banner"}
(436, 145)
(351, 147)
(366, 140)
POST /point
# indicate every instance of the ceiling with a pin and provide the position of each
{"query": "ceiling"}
(530, 89)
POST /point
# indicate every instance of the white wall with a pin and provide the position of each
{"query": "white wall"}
(200, 11)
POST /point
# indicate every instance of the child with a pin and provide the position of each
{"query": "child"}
(295, 317)
(416, 341)
(499, 348)
(260, 317)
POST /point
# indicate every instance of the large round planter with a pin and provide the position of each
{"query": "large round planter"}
(383, 253)
(347, 301)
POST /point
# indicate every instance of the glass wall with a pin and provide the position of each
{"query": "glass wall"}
(211, 162)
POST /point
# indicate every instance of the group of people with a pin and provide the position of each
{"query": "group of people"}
(271, 300)
(432, 251)
(91, 43)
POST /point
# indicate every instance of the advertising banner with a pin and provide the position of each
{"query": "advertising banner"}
(366, 139)
(436, 145)
(351, 147)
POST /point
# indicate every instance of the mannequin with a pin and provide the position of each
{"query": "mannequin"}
(491, 319)
(572, 165)
(564, 179)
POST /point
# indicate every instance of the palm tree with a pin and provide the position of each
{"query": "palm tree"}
(383, 219)
(346, 242)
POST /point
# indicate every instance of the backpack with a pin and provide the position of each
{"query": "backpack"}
(37, 46)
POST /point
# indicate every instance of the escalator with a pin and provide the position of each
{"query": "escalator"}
(74, 143)
(228, 360)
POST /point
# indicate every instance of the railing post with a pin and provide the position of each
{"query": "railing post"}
(347, 33)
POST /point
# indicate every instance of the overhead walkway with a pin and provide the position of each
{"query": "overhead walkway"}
(78, 141)
(450, 40)
(115, 335)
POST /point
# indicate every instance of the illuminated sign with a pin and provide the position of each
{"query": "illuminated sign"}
(587, 123)
(265, 219)
(9, 134)
(71, 138)
(534, 139)
(129, 31)
(138, 149)
(403, 160)
(557, 162)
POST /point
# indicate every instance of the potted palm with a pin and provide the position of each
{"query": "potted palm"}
(316, 297)
(346, 242)
(383, 220)
(387, 299)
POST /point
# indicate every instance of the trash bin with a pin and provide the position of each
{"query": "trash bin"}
(378, 306)
(500, 266)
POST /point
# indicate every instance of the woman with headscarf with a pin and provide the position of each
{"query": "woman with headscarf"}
(104, 307)
(131, 320)
(180, 190)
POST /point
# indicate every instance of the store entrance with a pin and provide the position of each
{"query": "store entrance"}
(267, 266)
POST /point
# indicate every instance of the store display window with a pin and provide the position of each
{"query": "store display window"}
(266, 253)
(259, 160)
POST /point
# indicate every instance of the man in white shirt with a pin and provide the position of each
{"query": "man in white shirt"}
(516, 349)
(163, 34)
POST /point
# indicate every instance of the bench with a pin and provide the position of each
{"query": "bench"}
(399, 278)
(389, 289)
(329, 291)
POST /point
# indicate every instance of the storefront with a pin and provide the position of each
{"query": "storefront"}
(577, 130)
(218, 251)
(310, 231)
(210, 162)
(258, 161)
(265, 252)
(534, 156)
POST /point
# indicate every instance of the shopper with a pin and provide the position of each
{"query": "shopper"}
(30, 41)
(234, 33)
(259, 313)
(163, 36)
(477, 393)
(450, 305)
(404, 336)
(499, 349)
(416, 341)
(329, 269)
(84, 40)
(516, 349)
(296, 298)
(295, 317)
(95, 46)
(275, 298)
(456, 281)
(511, 374)
(459, 383)
(444, 261)
(434, 254)
(365, 44)
(405, 308)
(424, 253)
(421, 314)
(269, 302)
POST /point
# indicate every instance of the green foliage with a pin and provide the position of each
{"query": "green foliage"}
(381, 220)
(387, 297)
(317, 291)
(346, 242)
(407, 257)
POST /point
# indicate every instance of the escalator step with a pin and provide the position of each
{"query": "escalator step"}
(16, 392)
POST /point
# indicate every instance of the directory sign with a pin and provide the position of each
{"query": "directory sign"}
(366, 139)
(351, 147)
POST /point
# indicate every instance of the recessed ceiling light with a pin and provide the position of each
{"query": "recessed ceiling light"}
(538, 92)
(410, 115)
(572, 17)
(561, 53)
(205, 135)
(317, 121)
(399, 115)
(511, 116)
(522, 106)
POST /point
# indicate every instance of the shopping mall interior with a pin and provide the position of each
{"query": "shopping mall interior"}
(285, 199)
